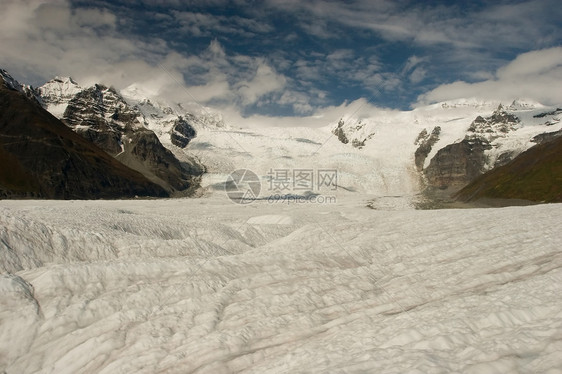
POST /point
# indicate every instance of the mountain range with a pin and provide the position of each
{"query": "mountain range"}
(452, 151)
(426, 154)
(42, 158)
(107, 124)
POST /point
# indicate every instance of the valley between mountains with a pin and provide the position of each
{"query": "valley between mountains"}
(122, 249)
(417, 158)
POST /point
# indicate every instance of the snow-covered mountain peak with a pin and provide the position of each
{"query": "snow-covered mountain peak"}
(63, 86)
(60, 92)
(524, 104)
(137, 92)
(56, 94)
(499, 109)
(99, 102)
(465, 103)
(65, 80)
(161, 114)
(402, 144)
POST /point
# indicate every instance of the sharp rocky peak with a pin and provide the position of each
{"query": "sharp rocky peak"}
(69, 80)
(524, 104)
(13, 84)
(57, 92)
(9, 81)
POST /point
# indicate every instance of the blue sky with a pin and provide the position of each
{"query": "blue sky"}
(286, 57)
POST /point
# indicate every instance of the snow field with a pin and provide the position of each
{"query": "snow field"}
(208, 286)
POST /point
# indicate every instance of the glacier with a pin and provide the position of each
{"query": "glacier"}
(208, 286)
(287, 286)
(383, 156)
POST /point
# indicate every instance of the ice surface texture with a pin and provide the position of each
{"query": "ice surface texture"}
(207, 286)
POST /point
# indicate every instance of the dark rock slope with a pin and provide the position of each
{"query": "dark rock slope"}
(40, 157)
(425, 143)
(101, 115)
(182, 132)
(457, 164)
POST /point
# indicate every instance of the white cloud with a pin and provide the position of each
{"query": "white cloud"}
(449, 37)
(417, 75)
(412, 62)
(301, 102)
(322, 117)
(534, 75)
(202, 24)
(455, 24)
(481, 75)
(318, 28)
(533, 63)
(216, 49)
(16, 16)
(41, 40)
(265, 81)
(95, 18)
(58, 40)
(85, 44)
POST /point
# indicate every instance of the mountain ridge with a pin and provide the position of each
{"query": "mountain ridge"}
(43, 158)
(457, 141)
(102, 115)
(534, 175)
(440, 147)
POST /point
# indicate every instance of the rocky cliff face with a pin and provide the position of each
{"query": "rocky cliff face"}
(425, 143)
(450, 144)
(455, 165)
(340, 133)
(144, 152)
(172, 122)
(48, 160)
(101, 115)
(357, 134)
(182, 132)
(28, 91)
(493, 127)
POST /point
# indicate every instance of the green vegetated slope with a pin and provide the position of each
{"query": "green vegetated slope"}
(535, 175)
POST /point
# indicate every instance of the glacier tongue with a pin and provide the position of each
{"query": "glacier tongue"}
(207, 286)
